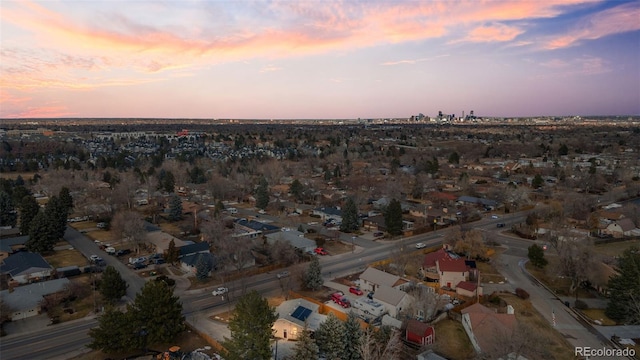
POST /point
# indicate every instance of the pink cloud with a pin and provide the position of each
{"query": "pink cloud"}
(495, 32)
(616, 20)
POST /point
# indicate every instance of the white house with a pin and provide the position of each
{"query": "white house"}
(394, 300)
(373, 278)
(292, 316)
(622, 227)
(24, 301)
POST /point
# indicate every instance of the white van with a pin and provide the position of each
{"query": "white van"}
(232, 210)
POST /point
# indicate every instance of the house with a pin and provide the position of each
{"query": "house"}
(452, 272)
(25, 267)
(621, 228)
(429, 270)
(468, 289)
(190, 262)
(12, 245)
(393, 300)
(420, 333)
(326, 213)
(244, 226)
(295, 238)
(486, 328)
(292, 316)
(599, 276)
(24, 301)
(472, 200)
(372, 278)
(160, 241)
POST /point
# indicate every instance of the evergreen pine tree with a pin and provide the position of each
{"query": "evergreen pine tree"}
(158, 313)
(112, 286)
(393, 217)
(352, 338)
(536, 256)
(624, 289)
(296, 189)
(8, 214)
(113, 333)
(250, 327)
(349, 216)
(66, 200)
(262, 194)
(203, 267)
(56, 218)
(41, 239)
(172, 253)
(313, 276)
(305, 348)
(330, 338)
(28, 210)
(175, 208)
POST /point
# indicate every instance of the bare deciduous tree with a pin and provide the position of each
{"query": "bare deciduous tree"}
(383, 343)
(129, 226)
(424, 305)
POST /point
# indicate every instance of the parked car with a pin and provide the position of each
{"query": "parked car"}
(139, 265)
(110, 250)
(339, 299)
(94, 258)
(220, 291)
(123, 252)
(378, 234)
(370, 295)
(421, 245)
(320, 251)
(102, 225)
(282, 274)
(500, 225)
(355, 290)
(158, 261)
(494, 216)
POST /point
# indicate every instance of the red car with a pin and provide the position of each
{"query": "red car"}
(356, 291)
(320, 251)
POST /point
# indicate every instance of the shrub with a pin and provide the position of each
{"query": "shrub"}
(522, 294)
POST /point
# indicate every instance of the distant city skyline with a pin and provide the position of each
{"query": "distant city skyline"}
(314, 60)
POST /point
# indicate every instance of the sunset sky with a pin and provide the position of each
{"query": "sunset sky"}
(318, 59)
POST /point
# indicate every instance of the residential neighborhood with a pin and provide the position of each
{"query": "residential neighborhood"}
(422, 231)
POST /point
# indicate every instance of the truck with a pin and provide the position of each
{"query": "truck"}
(369, 307)
(340, 299)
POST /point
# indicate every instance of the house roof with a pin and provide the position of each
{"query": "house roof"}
(257, 225)
(454, 265)
(417, 327)
(23, 262)
(29, 296)
(302, 309)
(626, 224)
(467, 285)
(379, 277)
(6, 245)
(329, 211)
(431, 258)
(476, 200)
(192, 259)
(389, 295)
(487, 325)
(294, 237)
(201, 247)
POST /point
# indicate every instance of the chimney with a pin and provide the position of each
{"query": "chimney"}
(510, 310)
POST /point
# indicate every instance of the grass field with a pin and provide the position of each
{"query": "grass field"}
(617, 248)
(64, 258)
(452, 342)
(598, 314)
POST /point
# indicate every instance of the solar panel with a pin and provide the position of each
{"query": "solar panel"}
(301, 313)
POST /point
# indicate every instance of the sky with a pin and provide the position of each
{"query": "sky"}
(317, 59)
